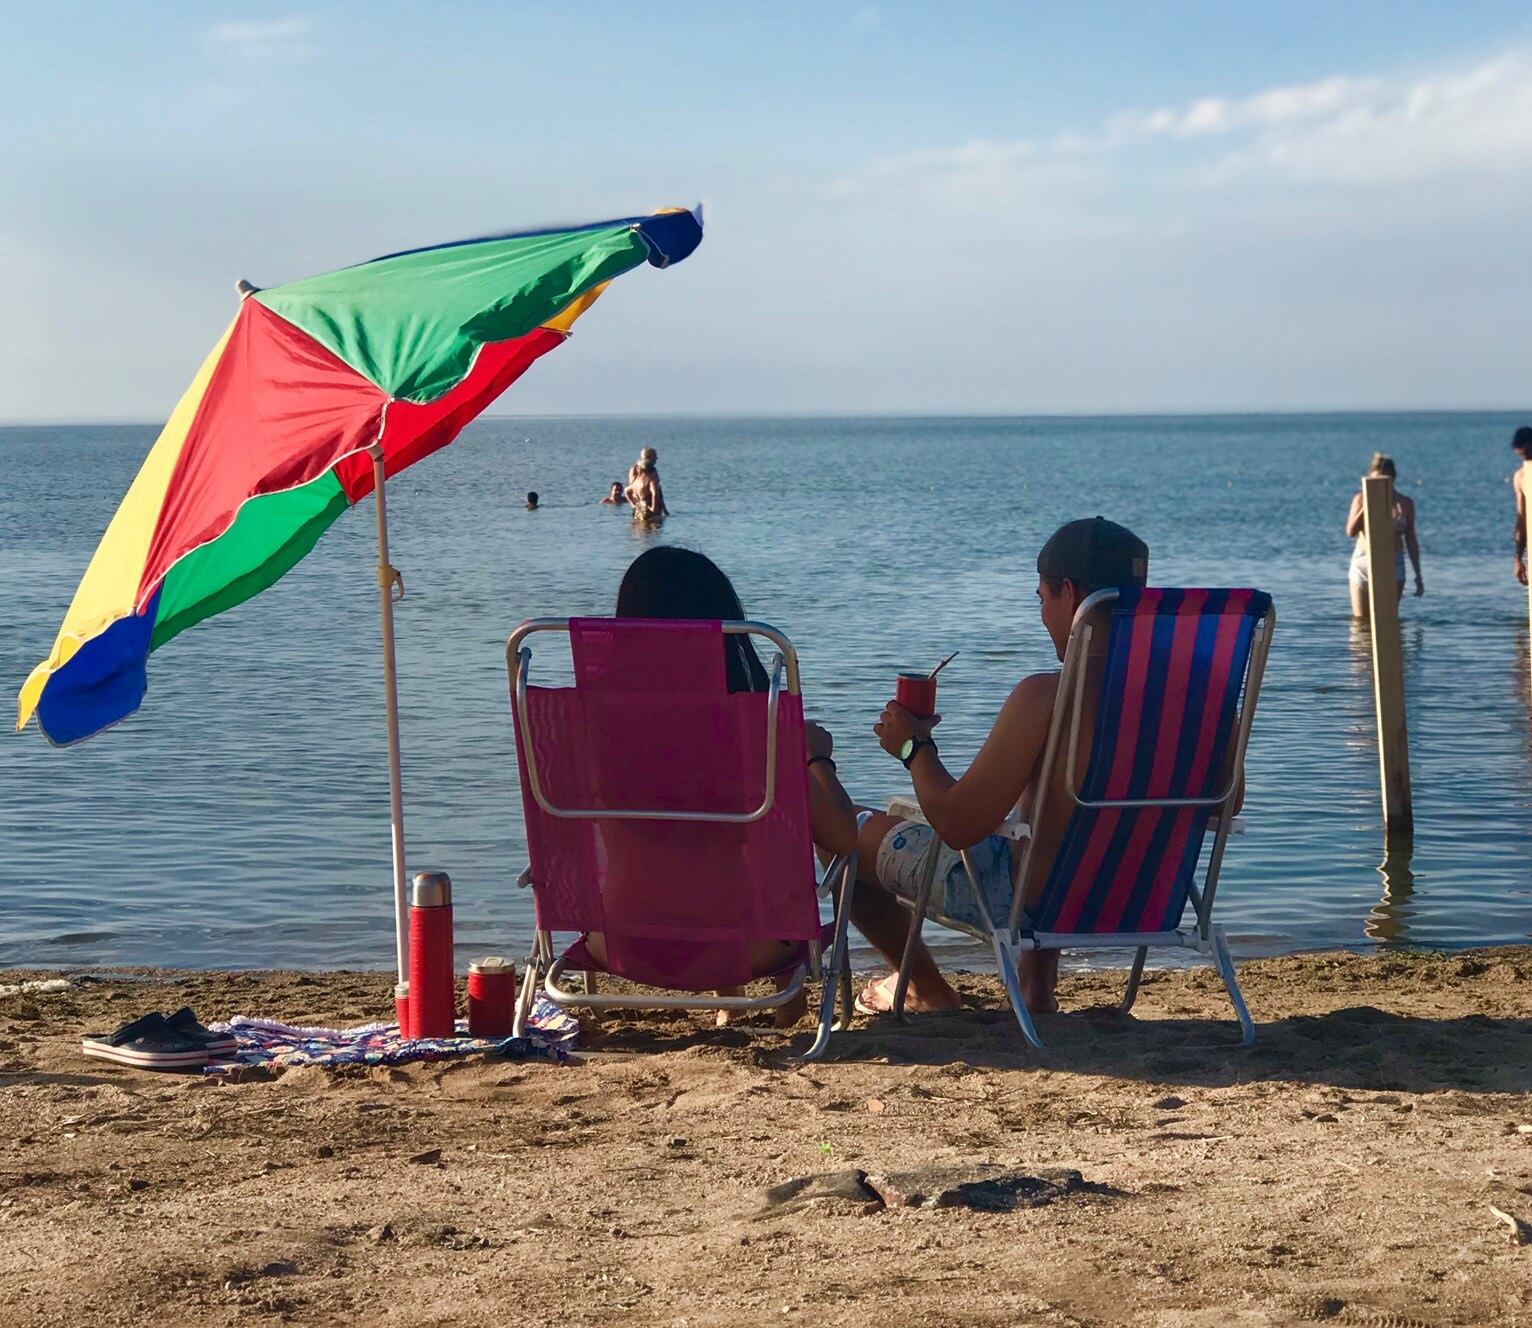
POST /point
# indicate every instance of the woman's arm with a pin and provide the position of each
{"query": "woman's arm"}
(830, 807)
(1411, 543)
(1354, 522)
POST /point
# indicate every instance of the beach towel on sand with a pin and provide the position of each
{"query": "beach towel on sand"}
(272, 1045)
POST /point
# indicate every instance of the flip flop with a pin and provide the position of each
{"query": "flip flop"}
(187, 1025)
(146, 1044)
(863, 1004)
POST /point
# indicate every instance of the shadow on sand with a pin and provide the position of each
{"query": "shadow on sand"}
(1358, 1047)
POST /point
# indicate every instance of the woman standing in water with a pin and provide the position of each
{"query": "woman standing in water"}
(1404, 539)
(644, 493)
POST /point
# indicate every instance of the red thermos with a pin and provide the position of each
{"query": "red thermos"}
(433, 989)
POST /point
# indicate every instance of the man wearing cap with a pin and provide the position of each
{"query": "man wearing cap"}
(1080, 558)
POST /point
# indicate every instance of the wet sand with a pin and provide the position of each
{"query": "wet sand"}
(1343, 1169)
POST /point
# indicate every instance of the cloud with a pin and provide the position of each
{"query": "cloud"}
(276, 41)
(1340, 129)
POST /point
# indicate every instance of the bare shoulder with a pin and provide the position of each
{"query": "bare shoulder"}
(1034, 692)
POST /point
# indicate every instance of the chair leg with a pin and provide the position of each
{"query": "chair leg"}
(836, 977)
(1224, 962)
(526, 998)
(1134, 977)
(590, 982)
(917, 921)
(847, 998)
(1005, 958)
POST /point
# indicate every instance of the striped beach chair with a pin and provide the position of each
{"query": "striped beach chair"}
(1183, 669)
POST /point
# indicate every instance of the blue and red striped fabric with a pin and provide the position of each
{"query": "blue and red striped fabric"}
(1175, 667)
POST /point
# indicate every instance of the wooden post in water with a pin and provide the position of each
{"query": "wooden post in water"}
(1387, 653)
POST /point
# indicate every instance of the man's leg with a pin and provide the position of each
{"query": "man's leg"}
(886, 925)
(1039, 974)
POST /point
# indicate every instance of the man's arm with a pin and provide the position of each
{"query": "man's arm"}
(963, 811)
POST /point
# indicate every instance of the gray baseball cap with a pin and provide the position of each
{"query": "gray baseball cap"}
(1095, 553)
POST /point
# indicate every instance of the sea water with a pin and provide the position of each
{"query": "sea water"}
(241, 817)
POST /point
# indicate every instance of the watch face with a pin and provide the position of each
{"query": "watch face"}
(907, 749)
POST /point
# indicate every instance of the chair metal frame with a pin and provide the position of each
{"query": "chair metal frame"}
(1017, 933)
(544, 972)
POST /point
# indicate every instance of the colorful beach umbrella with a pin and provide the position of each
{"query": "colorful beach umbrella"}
(270, 444)
(317, 392)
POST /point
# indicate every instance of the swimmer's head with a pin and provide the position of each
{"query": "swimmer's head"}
(1521, 440)
(532, 500)
(616, 489)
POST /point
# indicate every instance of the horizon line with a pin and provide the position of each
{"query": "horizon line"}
(1201, 413)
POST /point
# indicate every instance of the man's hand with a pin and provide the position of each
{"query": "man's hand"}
(1420, 587)
(1521, 570)
(818, 740)
(897, 726)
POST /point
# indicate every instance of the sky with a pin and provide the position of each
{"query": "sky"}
(911, 208)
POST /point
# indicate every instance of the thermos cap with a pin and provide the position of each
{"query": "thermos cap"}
(432, 890)
(491, 964)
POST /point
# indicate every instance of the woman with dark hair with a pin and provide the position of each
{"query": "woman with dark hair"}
(1404, 538)
(672, 582)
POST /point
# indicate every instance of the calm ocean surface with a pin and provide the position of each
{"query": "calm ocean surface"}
(241, 818)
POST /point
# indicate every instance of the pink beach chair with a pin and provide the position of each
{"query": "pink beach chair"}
(1183, 670)
(671, 816)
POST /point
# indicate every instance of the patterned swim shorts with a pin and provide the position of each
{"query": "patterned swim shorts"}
(901, 861)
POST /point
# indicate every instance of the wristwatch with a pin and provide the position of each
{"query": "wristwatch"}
(910, 747)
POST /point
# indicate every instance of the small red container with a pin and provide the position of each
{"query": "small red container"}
(491, 998)
(916, 692)
(402, 1007)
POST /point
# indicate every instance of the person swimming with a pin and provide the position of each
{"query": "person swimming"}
(531, 503)
(1404, 539)
(615, 496)
(643, 492)
(1521, 443)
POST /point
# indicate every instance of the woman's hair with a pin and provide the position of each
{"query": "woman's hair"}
(1383, 464)
(648, 454)
(672, 582)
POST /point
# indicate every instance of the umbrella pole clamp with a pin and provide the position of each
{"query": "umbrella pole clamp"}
(392, 581)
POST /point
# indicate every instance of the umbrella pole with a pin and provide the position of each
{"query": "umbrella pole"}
(389, 581)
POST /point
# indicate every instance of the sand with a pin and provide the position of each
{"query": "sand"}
(1342, 1170)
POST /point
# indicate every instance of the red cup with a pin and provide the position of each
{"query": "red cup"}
(491, 998)
(916, 692)
(402, 1007)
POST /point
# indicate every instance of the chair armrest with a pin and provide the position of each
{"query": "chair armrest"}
(907, 808)
(525, 879)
